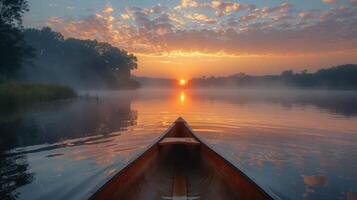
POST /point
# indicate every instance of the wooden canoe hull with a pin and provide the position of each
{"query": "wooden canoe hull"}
(170, 170)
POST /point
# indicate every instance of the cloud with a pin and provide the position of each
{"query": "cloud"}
(55, 22)
(94, 26)
(156, 9)
(177, 20)
(341, 8)
(275, 13)
(190, 4)
(223, 8)
(325, 16)
(200, 18)
(249, 17)
(306, 15)
(108, 10)
(232, 22)
(125, 16)
(330, 1)
(280, 8)
(248, 7)
(226, 6)
(259, 31)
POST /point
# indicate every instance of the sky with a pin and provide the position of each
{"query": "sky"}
(194, 38)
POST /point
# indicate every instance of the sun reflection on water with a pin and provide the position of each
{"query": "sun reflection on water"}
(264, 134)
(182, 97)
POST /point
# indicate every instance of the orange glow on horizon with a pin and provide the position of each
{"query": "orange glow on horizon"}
(188, 67)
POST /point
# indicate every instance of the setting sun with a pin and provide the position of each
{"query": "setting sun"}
(182, 82)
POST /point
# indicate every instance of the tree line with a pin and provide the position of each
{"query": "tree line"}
(339, 77)
(78, 63)
(43, 55)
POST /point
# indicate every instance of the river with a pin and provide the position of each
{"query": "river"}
(299, 144)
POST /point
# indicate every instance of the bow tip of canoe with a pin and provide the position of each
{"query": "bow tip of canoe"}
(180, 119)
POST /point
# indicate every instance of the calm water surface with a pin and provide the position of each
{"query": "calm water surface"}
(300, 144)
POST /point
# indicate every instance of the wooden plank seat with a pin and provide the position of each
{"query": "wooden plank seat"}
(179, 140)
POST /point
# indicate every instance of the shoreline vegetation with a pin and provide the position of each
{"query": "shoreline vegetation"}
(18, 93)
(81, 64)
(38, 65)
(342, 77)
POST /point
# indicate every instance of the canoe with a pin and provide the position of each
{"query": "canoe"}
(179, 166)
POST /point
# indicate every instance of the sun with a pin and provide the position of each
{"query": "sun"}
(182, 82)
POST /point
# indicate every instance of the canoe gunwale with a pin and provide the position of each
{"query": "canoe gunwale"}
(120, 171)
(267, 192)
(131, 162)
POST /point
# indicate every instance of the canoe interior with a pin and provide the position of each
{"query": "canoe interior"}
(180, 171)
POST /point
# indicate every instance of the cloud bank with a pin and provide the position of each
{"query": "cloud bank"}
(219, 27)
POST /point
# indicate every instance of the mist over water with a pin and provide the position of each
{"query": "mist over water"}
(300, 144)
(290, 123)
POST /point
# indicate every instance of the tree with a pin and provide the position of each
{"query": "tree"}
(11, 12)
(78, 63)
(287, 73)
(14, 50)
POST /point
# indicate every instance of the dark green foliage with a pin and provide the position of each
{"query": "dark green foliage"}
(14, 51)
(20, 93)
(78, 63)
(11, 12)
(341, 77)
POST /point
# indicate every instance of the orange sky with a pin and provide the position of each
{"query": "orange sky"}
(190, 38)
(195, 65)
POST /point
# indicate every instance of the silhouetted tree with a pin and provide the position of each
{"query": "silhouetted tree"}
(340, 77)
(78, 63)
(287, 73)
(14, 50)
(11, 12)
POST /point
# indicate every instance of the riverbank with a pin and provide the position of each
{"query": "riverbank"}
(23, 93)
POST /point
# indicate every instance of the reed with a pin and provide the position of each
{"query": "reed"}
(21, 93)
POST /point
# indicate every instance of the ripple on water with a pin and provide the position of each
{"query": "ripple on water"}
(298, 149)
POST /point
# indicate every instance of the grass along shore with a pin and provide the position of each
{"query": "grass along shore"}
(22, 93)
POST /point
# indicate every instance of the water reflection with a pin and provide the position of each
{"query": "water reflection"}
(13, 174)
(51, 123)
(182, 97)
(342, 103)
(351, 196)
(55, 125)
(298, 144)
(315, 180)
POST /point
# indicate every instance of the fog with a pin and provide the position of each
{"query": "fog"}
(77, 63)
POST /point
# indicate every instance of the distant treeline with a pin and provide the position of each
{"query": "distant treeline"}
(150, 82)
(77, 63)
(341, 77)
